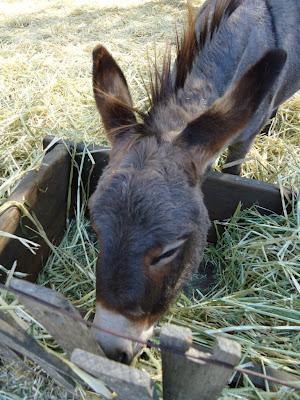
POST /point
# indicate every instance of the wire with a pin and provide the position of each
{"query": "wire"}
(149, 343)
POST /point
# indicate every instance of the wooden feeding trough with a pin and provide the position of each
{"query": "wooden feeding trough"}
(48, 196)
(44, 193)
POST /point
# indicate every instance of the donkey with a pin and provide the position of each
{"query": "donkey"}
(235, 64)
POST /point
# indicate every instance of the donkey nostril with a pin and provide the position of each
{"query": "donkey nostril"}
(123, 357)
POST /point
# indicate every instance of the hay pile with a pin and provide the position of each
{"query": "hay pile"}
(46, 89)
(45, 62)
(256, 298)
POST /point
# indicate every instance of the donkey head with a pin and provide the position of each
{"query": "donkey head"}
(148, 210)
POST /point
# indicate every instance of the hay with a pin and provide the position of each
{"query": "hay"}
(46, 89)
(257, 296)
(45, 64)
(256, 299)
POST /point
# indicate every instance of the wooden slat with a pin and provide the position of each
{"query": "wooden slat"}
(68, 333)
(17, 340)
(222, 192)
(90, 172)
(261, 383)
(129, 383)
(185, 378)
(44, 192)
(8, 354)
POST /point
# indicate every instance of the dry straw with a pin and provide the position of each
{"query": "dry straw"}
(46, 88)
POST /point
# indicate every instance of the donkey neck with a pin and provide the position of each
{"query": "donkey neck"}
(170, 117)
(239, 41)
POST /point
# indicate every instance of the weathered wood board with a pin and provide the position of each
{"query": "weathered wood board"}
(8, 354)
(65, 328)
(262, 383)
(17, 340)
(223, 193)
(44, 193)
(91, 168)
(129, 383)
(187, 378)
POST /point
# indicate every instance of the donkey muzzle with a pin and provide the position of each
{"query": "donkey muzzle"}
(116, 333)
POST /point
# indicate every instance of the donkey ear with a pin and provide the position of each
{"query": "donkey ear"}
(111, 94)
(208, 134)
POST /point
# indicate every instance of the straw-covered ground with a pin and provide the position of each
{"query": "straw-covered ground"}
(45, 87)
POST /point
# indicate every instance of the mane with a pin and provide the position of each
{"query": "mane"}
(162, 84)
(165, 82)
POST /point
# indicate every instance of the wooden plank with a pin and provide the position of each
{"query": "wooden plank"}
(227, 351)
(185, 377)
(237, 379)
(8, 354)
(44, 192)
(17, 340)
(222, 192)
(129, 383)
(90, 172)
(68, 333)
(261, 383)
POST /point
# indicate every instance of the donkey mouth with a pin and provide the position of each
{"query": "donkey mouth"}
(120, 338)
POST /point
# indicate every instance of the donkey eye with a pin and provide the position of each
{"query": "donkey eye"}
(168, 254)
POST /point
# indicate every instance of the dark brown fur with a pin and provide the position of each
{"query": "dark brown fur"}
(114, 102)
(149, 197)
(188, 48)
(213, 129)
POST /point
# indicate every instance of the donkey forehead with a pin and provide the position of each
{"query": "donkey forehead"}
(143, 202)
